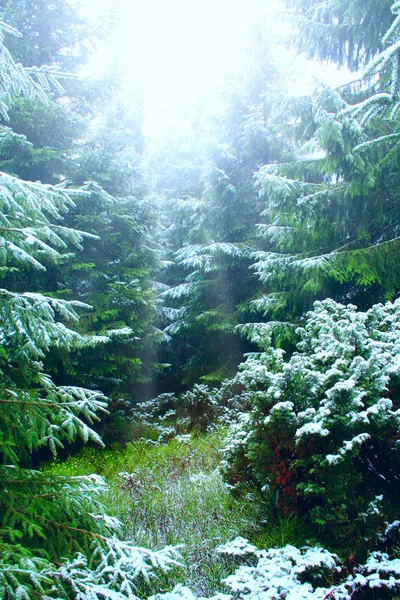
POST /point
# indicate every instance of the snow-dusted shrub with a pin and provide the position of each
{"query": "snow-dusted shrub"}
(197, 409)
(162, 407)
(312, 573)
(287, 572)
(322, 436)
(233, 398)
(308, 573)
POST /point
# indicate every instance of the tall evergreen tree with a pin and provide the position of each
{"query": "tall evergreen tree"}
(55, 35)
(214, 234)
(79, 137)
(346, 32)
(56, 541)
(331, 215)
(113, 275)
(320, 436)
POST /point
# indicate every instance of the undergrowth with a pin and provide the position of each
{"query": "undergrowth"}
(173, 494)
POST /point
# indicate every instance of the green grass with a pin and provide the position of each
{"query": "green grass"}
(173, 494)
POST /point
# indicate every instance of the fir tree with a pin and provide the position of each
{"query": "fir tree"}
(76, 139)
(330, 218)
(56, 541)
(212, 229)
(347, 32)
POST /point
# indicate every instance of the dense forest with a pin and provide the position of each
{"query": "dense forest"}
(200, 344)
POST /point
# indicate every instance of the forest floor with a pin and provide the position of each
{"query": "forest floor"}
(173, 494)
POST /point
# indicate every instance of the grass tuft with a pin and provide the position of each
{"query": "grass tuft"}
(173, 494)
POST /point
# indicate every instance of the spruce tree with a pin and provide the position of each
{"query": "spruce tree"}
(330, 217)
(56, 541)
(212, 228)
(347, 32)
(78, 139)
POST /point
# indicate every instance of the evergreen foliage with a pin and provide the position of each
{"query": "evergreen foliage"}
(112, 274)
(348, 33)
(330, 216)
(53, 38)
(68, 140)
(56, 541)
(55, 34)
(322, 435)
(211, 236)
(291, 200)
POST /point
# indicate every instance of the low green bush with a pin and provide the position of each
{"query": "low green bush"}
(322, 436)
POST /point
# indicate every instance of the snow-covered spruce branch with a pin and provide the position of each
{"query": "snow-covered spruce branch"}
(179, 291)
(384, 58)
(61, 414)
(30, 82)
(29, 324)
(377, 142)
(208, 257)
(117, 570)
